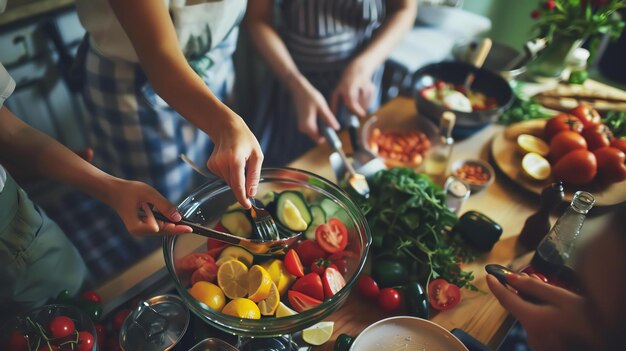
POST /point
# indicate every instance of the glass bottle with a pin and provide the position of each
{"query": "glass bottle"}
(538, 225)
(436, 163)
(554, 255)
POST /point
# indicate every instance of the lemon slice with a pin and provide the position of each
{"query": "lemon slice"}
(259, 283)
(242, 308)
(536, 166)
(283, 311)
(275, 268)
(319, 333)
(530, 143)
(285, 282)
(269, 305)
(209, 294)
(232, 277)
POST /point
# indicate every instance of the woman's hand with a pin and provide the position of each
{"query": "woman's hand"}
(310, 104)
(237, 158)
(555, 320)
(128, 197)
(355, 90)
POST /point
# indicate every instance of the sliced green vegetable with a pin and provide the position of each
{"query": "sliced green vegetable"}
(285, 213)
(237, 223)
(319, 217)
(330, 207)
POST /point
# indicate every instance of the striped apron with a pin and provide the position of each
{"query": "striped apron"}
(322, 37)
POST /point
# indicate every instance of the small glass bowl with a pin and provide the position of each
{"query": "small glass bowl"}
(475, 186)
(390, 123)
(206, 206)
(27, 325)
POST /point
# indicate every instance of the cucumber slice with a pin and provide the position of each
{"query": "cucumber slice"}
(319, 217)
(237, 253)
(290, 207)
(237, 223)
(330, 207)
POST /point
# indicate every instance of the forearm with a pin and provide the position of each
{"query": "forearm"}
(400, 19)
(33, 152)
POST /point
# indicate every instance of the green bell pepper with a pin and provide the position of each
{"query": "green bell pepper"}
(416, 300)
(478, 230)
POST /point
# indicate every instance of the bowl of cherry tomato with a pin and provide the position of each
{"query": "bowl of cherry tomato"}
(258, 295)
(51, 327)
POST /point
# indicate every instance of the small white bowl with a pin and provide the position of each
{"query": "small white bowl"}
(474, 186)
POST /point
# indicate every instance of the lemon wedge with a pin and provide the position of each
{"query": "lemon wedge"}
(536, 166)
(291, 216)
(319, 333)
(242, 308)
(530, 143)
(269, 305)
(232, 277)
(283, 311)
(259, 283)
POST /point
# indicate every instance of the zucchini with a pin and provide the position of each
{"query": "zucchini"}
(237, 223)
(319, 217)
(292, 211)
(330, 207)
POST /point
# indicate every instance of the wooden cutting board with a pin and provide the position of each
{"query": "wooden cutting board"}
(567, 96)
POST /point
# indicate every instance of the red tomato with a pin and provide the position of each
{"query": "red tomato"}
(389, 299)
(101, 334)
(533, 273)
(85, 341)
(342, 260)
(91, 296)
(301, 302)
(309, 251)
(320, 265)
(611, 168)
(587, 115)
(443, 295)
(293, 264)
(367, 286)
(61, 326)
(46, 348)
(193, 261)
(119, 318)
(597, 136)
(206, 273)
(311, 285)
(619, 143)
(17, 341)
(576, 168)
(215, 247)
(564, 143)
(560, 123)
(332, 236)
(333, 282)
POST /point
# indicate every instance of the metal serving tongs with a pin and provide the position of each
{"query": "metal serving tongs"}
(270, 244)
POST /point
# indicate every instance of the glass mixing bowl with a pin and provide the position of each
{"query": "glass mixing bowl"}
(206, 206)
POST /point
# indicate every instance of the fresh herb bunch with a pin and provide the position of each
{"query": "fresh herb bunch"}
(616, 121)
(580, 19)
(409, 219)
(522, 110)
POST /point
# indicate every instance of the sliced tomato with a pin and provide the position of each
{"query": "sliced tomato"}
(301, 302)
(311, 285)
(215, 247)
(320, 265)
(332, 236)
(207, 272)
(443, 295)
(193, 261)
(333, 282)
(343, 260)
(309, 251)
(293, 264)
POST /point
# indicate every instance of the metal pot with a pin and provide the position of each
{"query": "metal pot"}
(507, 61)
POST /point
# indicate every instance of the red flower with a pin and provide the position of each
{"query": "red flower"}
(535, 14)
(550, 5)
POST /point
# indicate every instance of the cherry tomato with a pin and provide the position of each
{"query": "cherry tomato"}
(560, 123)
(320, 265)
(587, 115)
(311, 285)
(332, 236)
(367, 286)
(333, 282)
(293, 264)
(17, 341)
(343, 260)
(576, 168)
(119, 318)
(611, 168)
(533, 273)
(101, 334)
(85, 341)
(91, 296)
(309, 251)
(301, 302)
(389, 299)
(443, 295)
(566, 142)
(61, 326)
(597, 136)
(619, 143)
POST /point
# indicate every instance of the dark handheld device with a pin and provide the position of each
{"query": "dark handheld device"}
(500, 272)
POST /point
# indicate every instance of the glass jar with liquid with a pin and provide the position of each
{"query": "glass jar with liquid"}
(436, 163)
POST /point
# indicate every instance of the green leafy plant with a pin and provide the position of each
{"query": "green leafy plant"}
(584, 19)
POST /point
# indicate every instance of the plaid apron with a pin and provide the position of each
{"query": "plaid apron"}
(322, 37)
